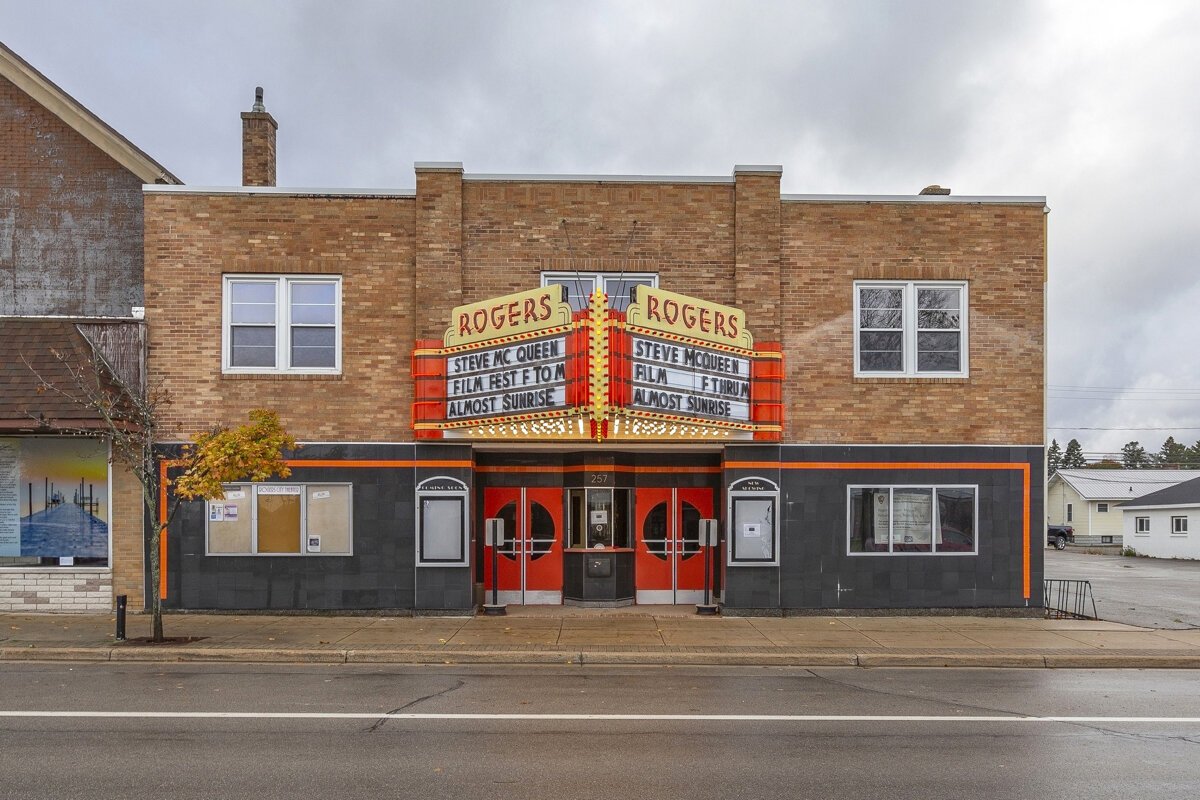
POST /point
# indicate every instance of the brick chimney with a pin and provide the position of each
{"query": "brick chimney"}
(258, 144)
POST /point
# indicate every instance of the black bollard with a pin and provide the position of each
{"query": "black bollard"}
(122, 600)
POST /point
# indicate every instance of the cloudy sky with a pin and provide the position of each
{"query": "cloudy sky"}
(1094, 104)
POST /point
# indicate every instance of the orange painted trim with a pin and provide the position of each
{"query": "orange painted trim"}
(352, 464)
(162, 539)
(875, 465)
(1025, 549)
(1026, 552)
(601, 468)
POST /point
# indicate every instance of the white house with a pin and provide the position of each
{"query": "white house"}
(1088, 499)
(1166, 523)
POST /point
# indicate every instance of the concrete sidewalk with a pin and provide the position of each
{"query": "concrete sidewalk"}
(627, 636)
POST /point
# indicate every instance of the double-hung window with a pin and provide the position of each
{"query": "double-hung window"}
(617, 285)
(282, 324)
(1141, 524)
(910, 329)
(1179, 525)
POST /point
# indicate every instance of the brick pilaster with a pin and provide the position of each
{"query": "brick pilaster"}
(437, 282)
(756, 248)
(128, 512)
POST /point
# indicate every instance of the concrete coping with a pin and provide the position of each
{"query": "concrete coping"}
(438, 166)
(770, 170)
(1038, 200)
(156, 188)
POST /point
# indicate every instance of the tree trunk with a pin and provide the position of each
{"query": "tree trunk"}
(156, 581)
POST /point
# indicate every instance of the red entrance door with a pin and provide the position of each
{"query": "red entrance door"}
(530, 564)
(670, 561)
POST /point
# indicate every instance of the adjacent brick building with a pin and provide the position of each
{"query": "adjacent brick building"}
(71, 257)
(875, 442)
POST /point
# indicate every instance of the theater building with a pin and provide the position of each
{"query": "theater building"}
(851, 387)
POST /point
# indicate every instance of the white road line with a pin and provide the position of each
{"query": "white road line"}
(316, 715)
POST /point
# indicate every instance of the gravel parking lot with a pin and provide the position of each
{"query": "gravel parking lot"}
(1150, 592)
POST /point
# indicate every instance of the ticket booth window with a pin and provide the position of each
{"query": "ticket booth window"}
(598, 518)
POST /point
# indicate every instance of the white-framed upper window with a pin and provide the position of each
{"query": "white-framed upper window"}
(899, 520)
(1101, 508)
(1141, 524)
(1179, 525)
(910, 328)
(276, 323)
(617, 285)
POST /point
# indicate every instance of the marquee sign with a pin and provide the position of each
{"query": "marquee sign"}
(526, 366)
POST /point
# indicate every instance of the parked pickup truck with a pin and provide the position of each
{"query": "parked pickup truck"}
(1059, 536)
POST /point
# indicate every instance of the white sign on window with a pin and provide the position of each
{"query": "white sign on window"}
(752, 530)
(320, 495)
(266, 490)
(231, 512)
(235, 495)
(216, 513)
(314, 544)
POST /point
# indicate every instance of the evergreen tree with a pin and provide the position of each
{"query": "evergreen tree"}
(1194, 456)
(1073, 458)
(1133, 456)
(1054, 457)
(1172, 454)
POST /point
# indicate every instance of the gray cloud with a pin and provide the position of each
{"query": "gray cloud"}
(1091, 104)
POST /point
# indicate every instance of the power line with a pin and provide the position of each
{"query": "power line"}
(1070, 388)
(1126, 399)
(1172, 428)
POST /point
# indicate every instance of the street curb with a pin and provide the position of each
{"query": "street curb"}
(463, 657)
(1024, 661)
(601, 657)
(54, 653)
(183, 654)
(168, 654)
(1104, 660)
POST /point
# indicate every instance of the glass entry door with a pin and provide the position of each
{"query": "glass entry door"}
(670, 561)
(530, 563)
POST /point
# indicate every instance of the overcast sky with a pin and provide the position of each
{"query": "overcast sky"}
(1094, 104)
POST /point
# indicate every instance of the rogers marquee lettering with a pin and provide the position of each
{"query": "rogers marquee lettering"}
(514, 379)
(527, 366)
(689, 380)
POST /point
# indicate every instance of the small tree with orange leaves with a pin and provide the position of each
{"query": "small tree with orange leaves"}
(130, 415)
(251, 452)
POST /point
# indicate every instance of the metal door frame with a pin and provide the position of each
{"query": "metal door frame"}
(672, 548)
(522, 548)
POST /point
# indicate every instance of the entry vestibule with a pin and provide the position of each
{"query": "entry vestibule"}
(609, 541)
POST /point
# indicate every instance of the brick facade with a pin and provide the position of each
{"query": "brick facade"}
(790, 264)
(70, 218)
(998, 249)
(192, 240)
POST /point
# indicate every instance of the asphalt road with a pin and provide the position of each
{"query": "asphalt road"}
(1150, 592)
(781, 733)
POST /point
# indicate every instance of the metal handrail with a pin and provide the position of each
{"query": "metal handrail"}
(1068, 599)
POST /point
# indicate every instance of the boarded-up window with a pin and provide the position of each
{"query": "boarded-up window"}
(231, 521)
(281, 519)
